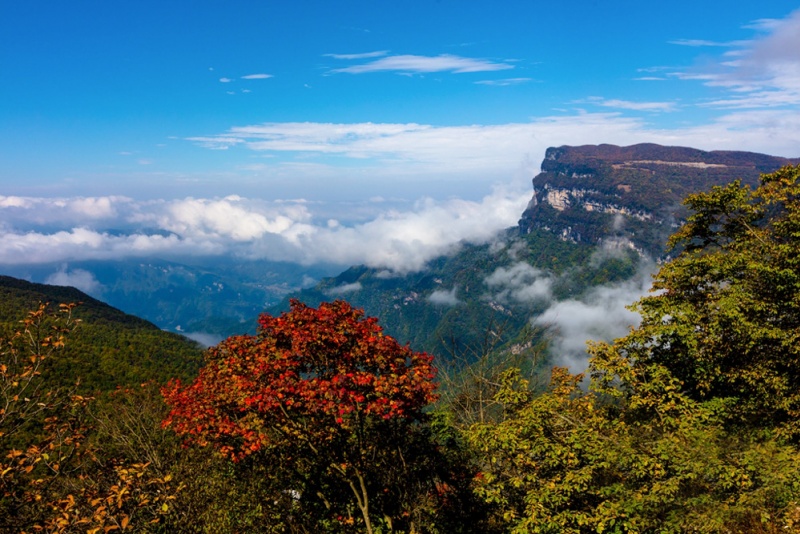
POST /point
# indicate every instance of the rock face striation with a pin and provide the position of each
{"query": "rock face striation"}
(630, 196)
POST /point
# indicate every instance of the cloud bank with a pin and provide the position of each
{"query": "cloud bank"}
(120, 227)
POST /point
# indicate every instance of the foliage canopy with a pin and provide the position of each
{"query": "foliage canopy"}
(324, 392)
(690, 423)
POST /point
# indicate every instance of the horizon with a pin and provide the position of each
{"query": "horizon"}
(358, 133)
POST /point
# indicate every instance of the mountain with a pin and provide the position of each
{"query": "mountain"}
(212, 296)
(632, 194)
(481, 298)
(596, 214)
(581, 251)
(108, 348)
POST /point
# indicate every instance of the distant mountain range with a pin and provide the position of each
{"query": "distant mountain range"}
(214, 297)
(482, 297)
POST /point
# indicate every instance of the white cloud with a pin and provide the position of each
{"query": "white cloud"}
(420, 64)
(405, 241)
(600, 315)
(15, 202)
(63, 211)
(627, 104)
(344, 289)
(365, 55)
(443, 297)
(765, 71)
(703, 42)
(78, 278)
(504, 82)
(225, 80)
(226, 219)
(521, 283)
(257, 76)
(18, 248)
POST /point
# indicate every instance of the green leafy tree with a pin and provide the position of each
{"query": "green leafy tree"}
(725, 319)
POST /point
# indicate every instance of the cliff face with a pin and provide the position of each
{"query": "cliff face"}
(630, 195)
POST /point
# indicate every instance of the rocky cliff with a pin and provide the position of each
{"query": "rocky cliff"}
(631, 195)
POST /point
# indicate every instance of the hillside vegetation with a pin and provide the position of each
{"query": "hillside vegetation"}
(108, 348)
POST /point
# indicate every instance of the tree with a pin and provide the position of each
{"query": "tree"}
(325, 396)
(691, 421)
(725, 316)
(653, 460)
(52, 477)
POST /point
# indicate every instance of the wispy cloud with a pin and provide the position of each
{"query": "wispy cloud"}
(257, 76)
(658, 68)
(764, 71)
(225, 80)
(504, 82)
(365, 55)
(630, 105)
(763, 24)
(703, 43)
(425, 64)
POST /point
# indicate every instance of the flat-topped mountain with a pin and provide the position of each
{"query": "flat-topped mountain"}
(632, 194)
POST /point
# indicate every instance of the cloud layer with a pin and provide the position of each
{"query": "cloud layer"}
(491, 151)
(40, 230)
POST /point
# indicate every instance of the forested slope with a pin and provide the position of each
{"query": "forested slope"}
(108, 348)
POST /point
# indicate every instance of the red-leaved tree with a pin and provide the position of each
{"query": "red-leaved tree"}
(321, 391)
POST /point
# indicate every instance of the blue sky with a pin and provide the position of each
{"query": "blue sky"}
(312, 131)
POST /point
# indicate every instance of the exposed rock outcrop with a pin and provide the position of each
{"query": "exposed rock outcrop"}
(634, 193)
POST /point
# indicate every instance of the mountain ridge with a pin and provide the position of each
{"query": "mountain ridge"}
(108, 348)
(632, 194)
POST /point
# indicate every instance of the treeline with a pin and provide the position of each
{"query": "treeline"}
(321, 423)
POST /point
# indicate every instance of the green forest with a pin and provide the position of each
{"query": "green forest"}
(322, 423)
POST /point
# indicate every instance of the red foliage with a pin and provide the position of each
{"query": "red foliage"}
(309, 373)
